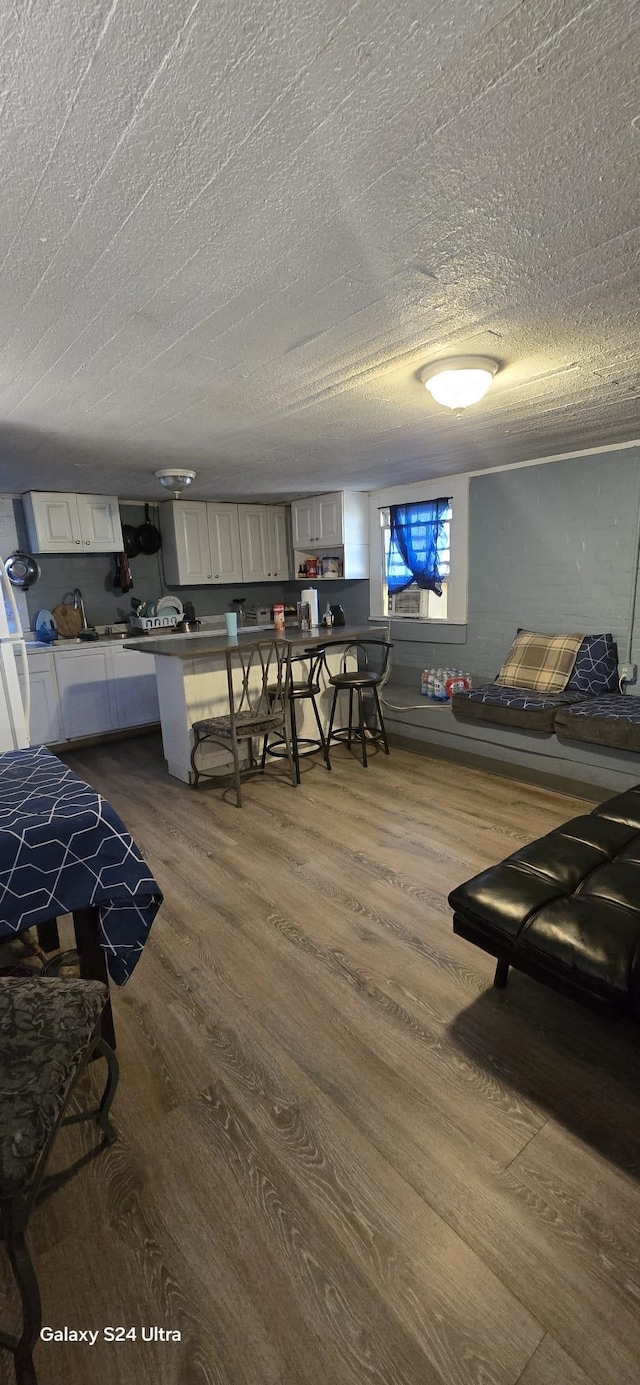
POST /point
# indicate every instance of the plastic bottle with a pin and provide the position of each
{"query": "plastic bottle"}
(327, 618)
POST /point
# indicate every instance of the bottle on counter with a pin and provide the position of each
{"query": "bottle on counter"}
(327, 619)
(278, 618)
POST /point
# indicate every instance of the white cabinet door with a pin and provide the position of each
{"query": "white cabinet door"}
(188, 552)
(100, 527)
(224, 542)
(135, 690)
(254, 543)
(303, 524)
(45, 725)
(84, 685)
(329, 528)
(278, 547)
(53, 522)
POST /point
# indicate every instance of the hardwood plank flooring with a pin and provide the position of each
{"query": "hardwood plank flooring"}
(344, 1157)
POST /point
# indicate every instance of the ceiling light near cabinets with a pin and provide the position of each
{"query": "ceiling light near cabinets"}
(175, 479)
(459, 380)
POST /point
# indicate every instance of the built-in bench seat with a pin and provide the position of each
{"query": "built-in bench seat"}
(613, 720)
(517, 707)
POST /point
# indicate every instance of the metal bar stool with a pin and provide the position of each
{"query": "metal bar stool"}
(303, 690)
(360, 681)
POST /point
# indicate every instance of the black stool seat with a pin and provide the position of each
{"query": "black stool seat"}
(299, 690)
(360, 678)
(359, 681)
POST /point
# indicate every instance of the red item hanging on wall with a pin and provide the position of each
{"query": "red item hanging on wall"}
(123, 578)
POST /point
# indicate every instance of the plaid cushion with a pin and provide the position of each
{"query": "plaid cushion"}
(543, 663)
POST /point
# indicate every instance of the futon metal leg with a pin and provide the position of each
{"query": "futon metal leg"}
(502, 973)
(363, 733)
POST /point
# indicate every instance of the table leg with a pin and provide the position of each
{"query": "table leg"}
(93, 966)
(48, 935)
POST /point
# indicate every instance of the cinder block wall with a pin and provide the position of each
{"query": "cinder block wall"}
(550, 548)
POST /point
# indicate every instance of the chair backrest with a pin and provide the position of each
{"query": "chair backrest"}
(361, 649)
(258, 678)
(314, 658)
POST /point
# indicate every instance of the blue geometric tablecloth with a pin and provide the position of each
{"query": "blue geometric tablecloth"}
(62, 847)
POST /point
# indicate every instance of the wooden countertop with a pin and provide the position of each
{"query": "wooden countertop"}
(207, 646)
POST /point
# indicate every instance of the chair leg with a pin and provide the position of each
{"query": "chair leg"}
(113, 1074)
(294, 740)
(502, 973)
(236, 772)
(194, 767)
(383, 729)
(349, 732)
(48, 935)
(323, 742)
(362, 727)
(288, 731)
(332, 717)
(27, 1284)
(263, 760)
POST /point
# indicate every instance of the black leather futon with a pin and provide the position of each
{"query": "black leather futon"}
(566, 908)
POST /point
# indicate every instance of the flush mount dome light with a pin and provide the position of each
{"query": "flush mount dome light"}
(175, 479)
(459, 380)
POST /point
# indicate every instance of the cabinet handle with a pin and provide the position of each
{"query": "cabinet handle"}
(87, 541)
(209, 578)
(77, 541)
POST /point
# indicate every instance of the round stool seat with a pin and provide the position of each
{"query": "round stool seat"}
(297, 690)
(360, 678)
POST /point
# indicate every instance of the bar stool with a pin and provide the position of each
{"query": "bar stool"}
(360, 681)
(303, 690)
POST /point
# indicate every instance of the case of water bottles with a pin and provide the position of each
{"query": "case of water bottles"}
(439, 684)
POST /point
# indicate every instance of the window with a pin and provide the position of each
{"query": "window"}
(412, 602)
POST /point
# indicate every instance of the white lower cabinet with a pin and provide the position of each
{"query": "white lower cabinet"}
(135, 689)
(84, 685)
(45, 724)
(87, 690)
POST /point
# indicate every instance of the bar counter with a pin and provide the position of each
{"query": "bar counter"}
(191, 673)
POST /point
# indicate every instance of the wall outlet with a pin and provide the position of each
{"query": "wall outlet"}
(627, 673)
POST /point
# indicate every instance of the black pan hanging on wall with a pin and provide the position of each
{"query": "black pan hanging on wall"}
(130, 540)
(148, 538)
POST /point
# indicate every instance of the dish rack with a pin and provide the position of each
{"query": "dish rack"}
(154, 622)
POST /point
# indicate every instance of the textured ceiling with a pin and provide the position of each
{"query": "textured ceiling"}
(231, 233)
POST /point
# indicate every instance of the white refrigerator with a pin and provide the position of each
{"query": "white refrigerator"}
(14, 700)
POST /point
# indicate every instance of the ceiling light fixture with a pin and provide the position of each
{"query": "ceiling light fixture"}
(175, 479)
(459, 380)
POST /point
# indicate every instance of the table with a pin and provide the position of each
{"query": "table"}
(191, 674)
(64, 850)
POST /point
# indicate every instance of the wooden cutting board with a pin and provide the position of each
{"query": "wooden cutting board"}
(68, 621)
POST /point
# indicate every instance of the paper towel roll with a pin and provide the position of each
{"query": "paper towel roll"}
(310, 595)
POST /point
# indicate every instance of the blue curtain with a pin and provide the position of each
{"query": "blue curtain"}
(419, 535)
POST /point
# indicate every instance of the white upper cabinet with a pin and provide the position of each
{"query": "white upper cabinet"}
(200, 543)
(100, 527)
(185, 543)
(338, 523)
(278, 545)
(224, 542)
(254, 543)
(318, 521)
(263, 540)
(59, 523)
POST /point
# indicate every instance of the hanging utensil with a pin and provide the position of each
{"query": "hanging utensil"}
(22, 570)
(148, 538)
(130, 541)
(123, 578)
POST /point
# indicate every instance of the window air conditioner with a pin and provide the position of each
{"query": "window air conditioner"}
(412, 602)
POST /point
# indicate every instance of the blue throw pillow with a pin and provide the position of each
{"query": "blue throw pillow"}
(595, 671)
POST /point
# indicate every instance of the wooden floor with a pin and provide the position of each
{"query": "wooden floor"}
(343, 1157)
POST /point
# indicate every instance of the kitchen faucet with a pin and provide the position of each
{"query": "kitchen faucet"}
(79, 606)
